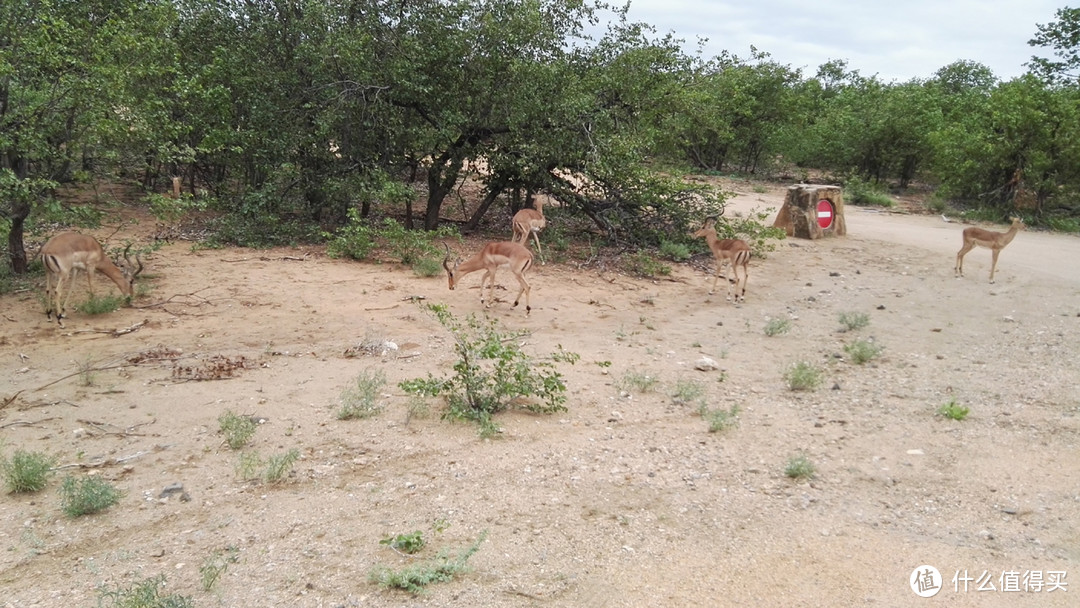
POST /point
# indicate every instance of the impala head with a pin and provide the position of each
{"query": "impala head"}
(131, 270)
(1018, 222)
(706, 227)
(446, 265)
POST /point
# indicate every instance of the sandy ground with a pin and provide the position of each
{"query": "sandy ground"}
(626, 499)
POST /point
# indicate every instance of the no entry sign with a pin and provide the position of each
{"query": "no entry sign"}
(824, 213)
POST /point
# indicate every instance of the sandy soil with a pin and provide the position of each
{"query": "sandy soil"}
(626, 499)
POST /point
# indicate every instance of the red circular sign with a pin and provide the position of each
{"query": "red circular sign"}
(825, 212)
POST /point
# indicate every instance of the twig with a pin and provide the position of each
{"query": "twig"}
(125, 433)
(26, 423)
(100, 463)
(116, 333)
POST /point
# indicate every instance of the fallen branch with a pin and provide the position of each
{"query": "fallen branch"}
(100, 463)
(100, 426)
(28, 423)
(116, 333)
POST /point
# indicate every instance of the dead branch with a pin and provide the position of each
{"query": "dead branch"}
(28, 423)
(116, 333)
(128, 432)
(100, 463)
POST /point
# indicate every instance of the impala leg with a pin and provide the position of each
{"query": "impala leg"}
(525, 289)
(716, 276)
(536, 238)
(51, 280)
(993, 264)
(489, 277)
(959, 270)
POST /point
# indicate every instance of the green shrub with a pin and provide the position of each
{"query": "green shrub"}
(406, 543)
(272, 470)
(775, 327)
(799, 467)
(677, 252)
(644, 265)
(859, 192)
(87, 495)
(491, 373)
(427, 267)
(862, 351)
(354, 240)
(633, 381)
(687, 392)
(362, 399)
(238, 430)
(851, 321)
(953, 410)
(720, 419)
(99, 305)
(27, 471)
(215, 566)
(414, 578)
(803, 376)
(144, 594)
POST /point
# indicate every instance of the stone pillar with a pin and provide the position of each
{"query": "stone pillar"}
(800, 214)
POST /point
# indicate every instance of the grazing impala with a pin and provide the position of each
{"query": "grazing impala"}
(516, 256)
(530, 221)
(735, 251)
(995, 241)
(65, 254)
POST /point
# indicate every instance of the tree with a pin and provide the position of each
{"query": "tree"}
(1063, 36)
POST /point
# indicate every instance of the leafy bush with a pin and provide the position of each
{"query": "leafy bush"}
(637, 381)
(354, 240)
(677, 252)
(491, 373)
(417, 248)
(27, 471)
(776, 327)
(361, 399)
(720, 419)
(414, 578)
(406, 543)
(851, 321)
(238, 430)
(87, 495)
(803, 376)
(644, 265)
(860, 192)
(953, 410)
(863, 351)
(271, 470)
(144, 594)
(687, 392)
(99, 305)
(799, 467)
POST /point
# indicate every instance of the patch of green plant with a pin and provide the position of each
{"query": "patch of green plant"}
(720, 419)
(492, 373)
(860, 192)
(863, 351)
(27, 471)
(427, 267)
(803, 376)
(851, 321)
(260, 230)
(99, 305)
(170, 210)
(411, 246)
(414, 578)
(214, 566)
(1061, 223)
(238, 430)
(634, 381)
(754, 228)
(644, 265)
(676, 252)
(143, 594)
(953, 410)
(406, 543)
(87, 495)
(687, 392)
(355, 240)
(799, 467)
(362, 399)
(776, 327)
(273, 469)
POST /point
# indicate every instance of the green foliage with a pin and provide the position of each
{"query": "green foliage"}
(361, 399)
(953, 410)
(776, 327)
(271, 470)
(861, 192)
(417, 248)
(676, 252)
(752, 228)
(492, 372)
(406, 543)
(851, 321)
(803, 376)
(143, 594)
(863, 351)
(354, 240)
(427, 267)
(720, 419)
(214, 566)
(799, 467)
(99, 305)
(27, 471)
(87, 495)
(644, 265)
(635, 381)
(171, 210)
(439, 569)
(687, 392)
(238, 430)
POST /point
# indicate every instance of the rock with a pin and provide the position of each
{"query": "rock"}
(705, 364)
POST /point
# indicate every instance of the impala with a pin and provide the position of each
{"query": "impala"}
(516, 256)
(530, 221)
(735, 251)
(995, 241)
(65, 254)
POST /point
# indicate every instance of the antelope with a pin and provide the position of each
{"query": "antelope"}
(65, 254)
(516, 256)
(529, 221)
(995, 241)
(735, 251)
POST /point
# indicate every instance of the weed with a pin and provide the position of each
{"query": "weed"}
(850, 321)
(863, 351)
(354, 240)
(361, 399)
(799, 467)
(953, 410)
(636, 381)
(427, 267)
(803, 376)
(279, 465)
(644, 265)
(443, 567)
(238, 430)
(720, 419)
(214, 566)
(406, 543)
(418, 407)
(99, 305)
(492, 373)
(860, 192)
(144, 594)
(87, 495)
(687, 392)
(27, 471)
(775, 327)
(676, 252)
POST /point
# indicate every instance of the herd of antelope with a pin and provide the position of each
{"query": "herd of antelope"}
(67, 253)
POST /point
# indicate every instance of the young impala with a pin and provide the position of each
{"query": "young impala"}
(65, 254)
(530, 221)
(735, 251)
(516, 256)
(995, 241)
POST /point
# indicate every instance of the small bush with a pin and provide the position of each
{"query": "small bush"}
(799, 467)
(633, 381)
(27, 471)
(642, 264)
(953, 410)
(863, 351)
(442, 568)
(720, 419)
(238, 430)
(144, 594)
(361, 399)
(215, 566)
(851, 321)
(687, 392)
(803, 376)
(87, 495)
(99, 305)
(354, 240)
(427, 267)
(676, 252)
(406, 543)
(859, 192)
(775, 327)
(272, 470)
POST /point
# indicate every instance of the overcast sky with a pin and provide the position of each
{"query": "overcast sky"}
(894, 39)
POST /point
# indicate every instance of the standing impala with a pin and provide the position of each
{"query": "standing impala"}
(735, 251)
(530, 221)
(995, 241)
(516, 256)
(65, 254)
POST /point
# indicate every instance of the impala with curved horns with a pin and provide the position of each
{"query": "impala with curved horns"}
(735, 251)
(530, 221)
(489, 259)
(65, 254)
